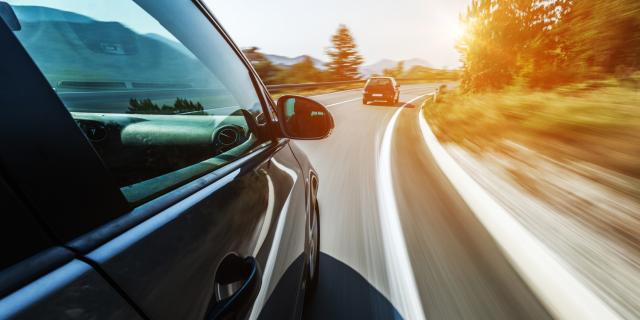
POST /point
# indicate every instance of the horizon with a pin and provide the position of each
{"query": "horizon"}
(426, 30)
(425, 64)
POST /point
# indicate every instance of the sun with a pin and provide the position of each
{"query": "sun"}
(458, 30)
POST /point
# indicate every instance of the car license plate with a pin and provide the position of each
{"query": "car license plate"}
(377, 94)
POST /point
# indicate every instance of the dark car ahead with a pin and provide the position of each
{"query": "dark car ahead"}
(145, 171)
(384, 89)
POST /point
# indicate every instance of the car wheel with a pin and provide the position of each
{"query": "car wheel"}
(314, 251)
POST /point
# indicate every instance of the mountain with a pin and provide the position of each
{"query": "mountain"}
(286, 61)
(80, 49)
(378, 67)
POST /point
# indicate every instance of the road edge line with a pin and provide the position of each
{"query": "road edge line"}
(564, 296)
(402, 283)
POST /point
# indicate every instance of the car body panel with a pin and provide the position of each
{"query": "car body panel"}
(73, 291)
(159, 259)
(167, 263)
(386, 92)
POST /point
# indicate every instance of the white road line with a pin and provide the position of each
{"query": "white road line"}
(558, 289)
(402, 284)
(341, 102)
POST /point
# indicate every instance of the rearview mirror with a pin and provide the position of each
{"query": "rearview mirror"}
(303, 118)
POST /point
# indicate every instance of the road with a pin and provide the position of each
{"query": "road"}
(395, 226)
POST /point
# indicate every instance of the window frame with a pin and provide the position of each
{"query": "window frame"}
(259, 86)
(119, 215)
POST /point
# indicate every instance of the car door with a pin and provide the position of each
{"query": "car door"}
(157, 168)
(39, 279)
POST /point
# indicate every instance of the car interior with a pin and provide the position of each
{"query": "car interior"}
(159, 108)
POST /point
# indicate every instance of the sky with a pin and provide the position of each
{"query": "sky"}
(383, 29)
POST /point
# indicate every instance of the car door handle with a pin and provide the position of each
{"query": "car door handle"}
(236, 286)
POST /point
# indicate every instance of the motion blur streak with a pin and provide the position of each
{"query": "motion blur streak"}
(273, 253)
(267, 220)
(402, 282)
(564, 295)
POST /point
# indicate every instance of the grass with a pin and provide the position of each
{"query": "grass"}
(598, 122)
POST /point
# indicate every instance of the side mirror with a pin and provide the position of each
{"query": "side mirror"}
(303, 118)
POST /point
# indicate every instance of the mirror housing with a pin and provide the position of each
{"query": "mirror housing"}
(303, 118)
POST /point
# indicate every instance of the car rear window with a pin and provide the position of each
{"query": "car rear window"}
(379, 82)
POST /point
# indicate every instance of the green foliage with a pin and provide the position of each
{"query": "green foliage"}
(396, 72)
(345, 58)
(265, 69)
(546, 43)
(426, 73)
(595, 121)
(304, 71)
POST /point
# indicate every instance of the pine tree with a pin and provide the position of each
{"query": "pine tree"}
(345, 58)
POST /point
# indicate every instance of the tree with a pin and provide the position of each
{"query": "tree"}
(265, 69)
(600, 37)
(546, 43)
(301, 72)
(504, 38)
(344, 56)
(395, 72)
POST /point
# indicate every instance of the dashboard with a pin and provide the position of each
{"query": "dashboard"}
(136, 148)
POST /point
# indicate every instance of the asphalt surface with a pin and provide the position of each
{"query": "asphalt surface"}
(458, 270)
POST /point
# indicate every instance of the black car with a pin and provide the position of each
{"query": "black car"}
(145, 171)
(384, 89)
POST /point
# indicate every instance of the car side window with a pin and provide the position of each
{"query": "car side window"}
(158, 91)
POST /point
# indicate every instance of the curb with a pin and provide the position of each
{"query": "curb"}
(564, 296)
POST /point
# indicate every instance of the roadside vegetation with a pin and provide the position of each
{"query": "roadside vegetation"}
(546, 118)
(595, 121)
(344, 63)
(561, 77)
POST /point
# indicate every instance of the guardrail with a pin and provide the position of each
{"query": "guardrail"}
(280, 87)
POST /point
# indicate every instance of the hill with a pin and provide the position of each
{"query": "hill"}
(283, 61)
(378, 67)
